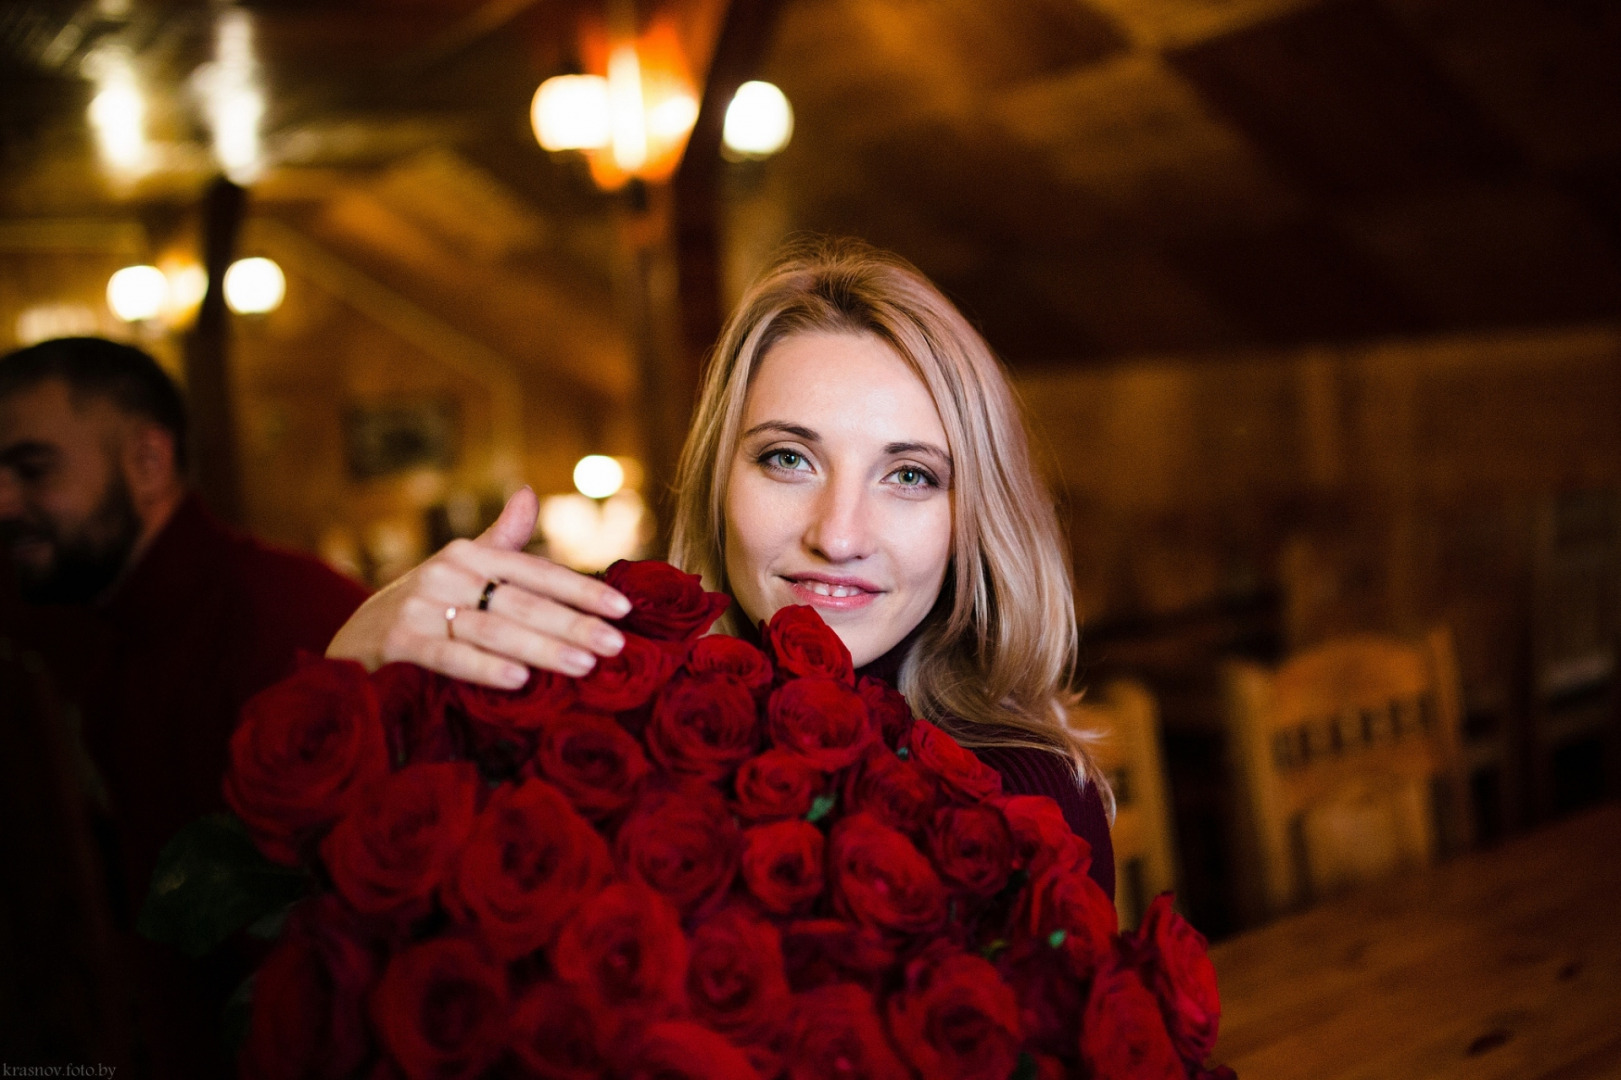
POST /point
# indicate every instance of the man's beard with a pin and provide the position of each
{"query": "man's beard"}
(85, 564)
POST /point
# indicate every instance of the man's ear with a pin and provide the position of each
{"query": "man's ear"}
(150, 465)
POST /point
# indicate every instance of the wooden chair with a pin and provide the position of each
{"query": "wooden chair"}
(1129, 755)
(1574, 726)
(1348, 766)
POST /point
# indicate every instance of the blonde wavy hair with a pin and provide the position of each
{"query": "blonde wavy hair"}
(994, 660)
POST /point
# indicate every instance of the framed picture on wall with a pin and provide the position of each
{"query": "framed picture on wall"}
(384, 438)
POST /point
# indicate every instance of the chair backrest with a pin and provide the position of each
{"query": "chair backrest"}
(1128, 752)
(1348, 766)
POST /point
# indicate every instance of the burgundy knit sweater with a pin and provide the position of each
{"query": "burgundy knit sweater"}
(1029, 771)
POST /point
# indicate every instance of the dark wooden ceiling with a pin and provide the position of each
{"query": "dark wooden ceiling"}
(1089, 178)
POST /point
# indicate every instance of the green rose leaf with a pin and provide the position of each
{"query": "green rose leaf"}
(821, 806)
(1025, 1069)
(210, 882)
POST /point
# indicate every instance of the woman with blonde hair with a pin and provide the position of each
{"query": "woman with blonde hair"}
(856, 448)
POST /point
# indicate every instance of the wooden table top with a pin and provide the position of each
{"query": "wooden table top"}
(1499, 964)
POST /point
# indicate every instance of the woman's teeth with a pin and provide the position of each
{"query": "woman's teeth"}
(822, 588)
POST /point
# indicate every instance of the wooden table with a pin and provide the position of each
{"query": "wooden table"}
(1502, 963)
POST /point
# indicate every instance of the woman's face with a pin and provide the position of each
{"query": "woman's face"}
(840, 491)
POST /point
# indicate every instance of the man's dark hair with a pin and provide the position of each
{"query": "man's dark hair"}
(95, 367)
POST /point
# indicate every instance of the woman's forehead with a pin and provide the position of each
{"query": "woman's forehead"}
(839, 374)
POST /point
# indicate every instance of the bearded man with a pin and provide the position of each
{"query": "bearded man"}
(154, 621)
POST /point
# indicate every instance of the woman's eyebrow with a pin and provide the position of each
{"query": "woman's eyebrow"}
(917, 448)
(798, 431)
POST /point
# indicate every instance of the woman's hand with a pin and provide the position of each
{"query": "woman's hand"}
(540, 615)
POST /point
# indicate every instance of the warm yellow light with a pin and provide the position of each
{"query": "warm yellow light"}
(627, 109)
(233, 100)
(598, 476)
(759, 121)
(673, 117)
(137, 292)
(254, 286)
(188, 282)
(118, 112)
(570, 112)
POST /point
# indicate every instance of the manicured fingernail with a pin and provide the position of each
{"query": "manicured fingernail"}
(512, 676)
(576, 662)
(618, 605)
(608, 641)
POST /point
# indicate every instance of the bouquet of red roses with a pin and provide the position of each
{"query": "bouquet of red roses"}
(703, 859)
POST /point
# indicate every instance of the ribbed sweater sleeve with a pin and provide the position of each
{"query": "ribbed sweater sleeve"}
(1028, 771)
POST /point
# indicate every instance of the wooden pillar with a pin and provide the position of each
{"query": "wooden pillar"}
(671, 250)
(207, 360)
(745, 32)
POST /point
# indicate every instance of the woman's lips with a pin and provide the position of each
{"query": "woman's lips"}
(832, 595)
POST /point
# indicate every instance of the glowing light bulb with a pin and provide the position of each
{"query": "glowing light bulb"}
(570, 112)
(137, 293)
(673, 117)
(598, 476)
(254, 286)
(118, 112)
(627, 108)
(759, 121)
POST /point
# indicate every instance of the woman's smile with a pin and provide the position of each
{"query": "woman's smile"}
(840, 491)
(832, 593)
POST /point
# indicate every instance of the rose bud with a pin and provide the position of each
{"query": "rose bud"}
(301, 752)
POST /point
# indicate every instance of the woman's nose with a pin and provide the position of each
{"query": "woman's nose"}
(840, 528)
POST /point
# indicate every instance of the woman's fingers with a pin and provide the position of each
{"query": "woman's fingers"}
(513, 529)
(502, 637)
(523, 610)
(543, 578)
(539, 614)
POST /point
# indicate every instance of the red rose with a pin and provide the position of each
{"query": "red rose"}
(666, 604)
(1173, 960)
(972, 849)
(678, 1050)
(719, 654)
(782, 864)
(891, 714)
(625, 957)
(681, 842)
(308, 1000)
(1050, 996)
(629, 679)
(529, 862)
(801, 644)
(703, 727)
(818, 952)
(838, 1036)
(1041, 836)
(960, 773)
(823, 721)
(402, 838)
(302, 750)
(954, 1018)
(553, 1036)
(1071, 912)
(411, 703)
(776, 785)
(880, 879)
(594, 761)
(544, 696)
(735, 978)
(895, 791)
(1123, 1036)
(441, 1009)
